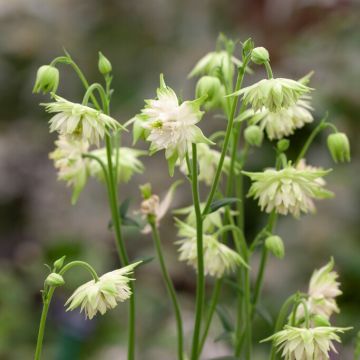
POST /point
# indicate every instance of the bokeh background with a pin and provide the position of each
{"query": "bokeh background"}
(143, 38)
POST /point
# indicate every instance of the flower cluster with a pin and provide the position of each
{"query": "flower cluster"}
(290, 190)
(219, 259)
(98, 296)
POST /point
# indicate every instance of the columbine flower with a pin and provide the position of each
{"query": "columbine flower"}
(171, 126)
(323, 289)
(273, 94)
(208, 160)
(287, 120)
(128, 163)
(79, 120)
(93, 297)
(219, 259)
(71, 166)
(289, 190)
(213, 61)
(153, 206)
(306, 344)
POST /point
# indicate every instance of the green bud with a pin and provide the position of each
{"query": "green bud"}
(213, 89)
(275, 245)
(59, 263)
(54, 279)
(146, 190)
(260, 56)
(254, 135)
(104, 64)
(320, 320)
(47, 79)
(282, 145)
(247, 46)
(339, 147)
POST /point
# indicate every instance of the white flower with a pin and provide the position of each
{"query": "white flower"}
(219, 259)
(287, 120)
(79, 120)
(208, 160)
(289, 190)
(323, 289)
(273, 94)
(93, 297)
(306, 344)
(128, 163)
(72, 167)
(171, 126)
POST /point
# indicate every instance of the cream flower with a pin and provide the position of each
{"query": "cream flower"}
(273, 94)
(79, 120)
(323, 289)
(289, 190)
(128, 163)
(219, 259)
(306, 344)
(208, 160)
(112, 288)
(71, 166)
(169, 125)
(287, 120)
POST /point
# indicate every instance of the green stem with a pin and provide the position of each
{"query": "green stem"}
(83, 264)
(215, 183)
(170, 288)
(211, 311)
(41, 332)
(268, 70)
(200, 284)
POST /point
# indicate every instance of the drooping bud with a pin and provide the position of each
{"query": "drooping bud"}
(47, 79)
(59, 263)
(260, 55)
(253, 135)
(339, 147)
(282, 145)
(104, 64)
(213, 89)
(275, 244)
(54, 279)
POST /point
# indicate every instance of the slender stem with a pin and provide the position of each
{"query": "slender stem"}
(83, 264)
(170, 288)
(239, 80)
(200, 284)
(211, 311)
(268, 70)
(46, 304)
(322, 125)
(101, 163)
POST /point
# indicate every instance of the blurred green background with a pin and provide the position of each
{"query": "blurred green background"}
(143, 38)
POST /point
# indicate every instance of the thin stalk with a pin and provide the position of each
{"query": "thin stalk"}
(83, 264)
(170, 288)
(200, 284)
(41, 332)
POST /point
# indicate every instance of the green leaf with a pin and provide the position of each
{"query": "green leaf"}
(234, 285)
(225, 336)
(264, 314)
(124, 207)
(217, 204)
(224, 318)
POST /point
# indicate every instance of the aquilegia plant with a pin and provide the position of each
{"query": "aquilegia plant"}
(211, 230)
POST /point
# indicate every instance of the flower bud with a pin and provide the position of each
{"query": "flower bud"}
(59, 263)
(146, 190)
(282, 145)
(150, 206)
(319, 320)
(247, 46)
(213, 89)
(54, 279)
(253, 135)
(339, 147)
(274, 244)
(47, 79)
(260, 55)
(104, 64)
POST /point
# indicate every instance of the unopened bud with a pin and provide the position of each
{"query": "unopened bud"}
(339, 147)
(104, 64)
(59, 263)
(275, 245)
(260, 55)
(150, 206)
(47, 79)
(54, 279)
(282, 145)
(254, 135)
(213, 89)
